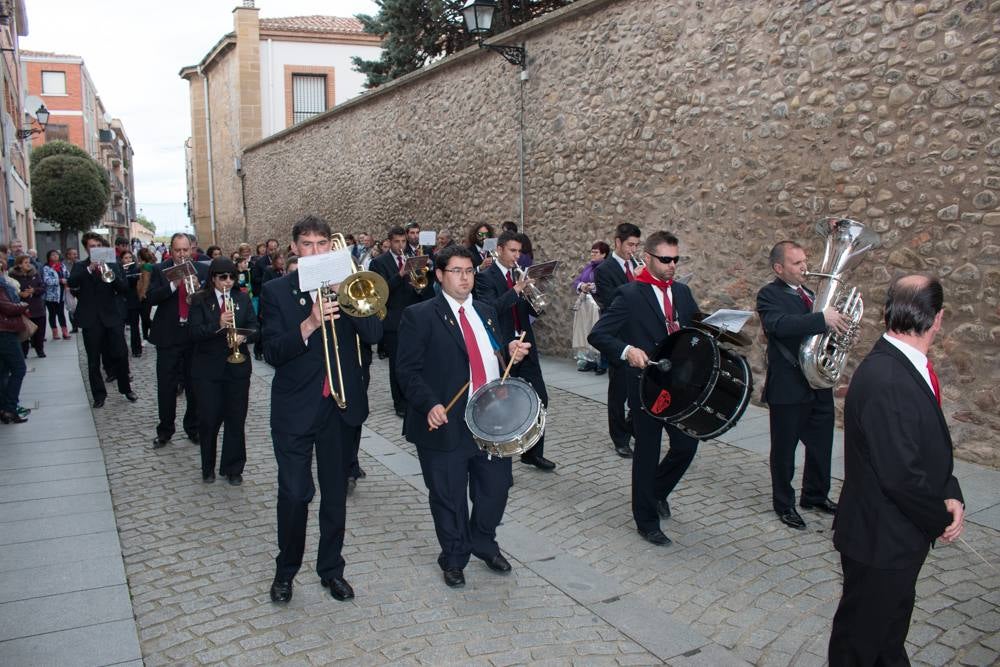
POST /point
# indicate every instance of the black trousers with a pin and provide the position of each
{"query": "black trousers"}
(173, 369)
(37, 339)
(873, 616)
(147, 320)
(390, 341)
(354, 467)
(57, 313)
(332, 439)
(812, 423)
(619, 428)
(132, 319)
(223, 402)
(653, 479)
(530, 371)
(452, 478)
(108, 342)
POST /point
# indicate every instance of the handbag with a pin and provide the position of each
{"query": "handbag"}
(27, 330)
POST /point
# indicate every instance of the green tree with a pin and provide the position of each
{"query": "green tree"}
(59, 147)
(67, 190)
(147, 223)
(416, 32)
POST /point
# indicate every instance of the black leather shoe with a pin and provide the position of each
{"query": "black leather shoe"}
(825, 505)
(600, 371)
(791, 518)
(159, 442)
(130, 395)
(235, 480)
(587, 367)
(623, 451)
(281, 591)
(259, 356)
(11, 418)
(209, 478)
(193, 437)
(655, 537)
(400, 411)
(98, 402)
(361, 473)
(339, 589)
(454, 578)
(539, 462)
(498, 564)
(663, 508)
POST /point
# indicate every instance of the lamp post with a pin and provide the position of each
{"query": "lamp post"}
(478, 15)
(42, 116)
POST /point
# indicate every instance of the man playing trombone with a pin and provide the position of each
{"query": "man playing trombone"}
(306, 413)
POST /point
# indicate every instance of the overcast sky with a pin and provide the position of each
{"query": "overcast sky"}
(133, 50)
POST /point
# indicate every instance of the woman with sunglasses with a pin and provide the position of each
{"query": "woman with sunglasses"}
(221, 388)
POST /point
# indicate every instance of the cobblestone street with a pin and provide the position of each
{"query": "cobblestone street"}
(735, 587)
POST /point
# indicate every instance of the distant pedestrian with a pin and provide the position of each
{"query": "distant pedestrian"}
(133, 306)
(33, 293)
(70, 257)
(12, 366)
(146, 261)
(55, 275)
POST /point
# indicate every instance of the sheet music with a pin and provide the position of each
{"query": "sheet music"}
(729, 320)
(329, 267)
(543, 270)
(489, 244)
(103, 255)
(177, 272)
(428, 238)
(414, 263)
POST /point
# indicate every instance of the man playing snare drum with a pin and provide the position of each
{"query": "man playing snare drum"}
(451, 347)
(643, 313)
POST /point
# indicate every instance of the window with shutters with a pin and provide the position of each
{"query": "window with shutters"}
(53, 83)
(308, 96)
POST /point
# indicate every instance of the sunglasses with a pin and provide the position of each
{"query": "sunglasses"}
(667, 259)
(225, 276)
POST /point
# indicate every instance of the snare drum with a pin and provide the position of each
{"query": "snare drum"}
(706, 390)
(506, 418)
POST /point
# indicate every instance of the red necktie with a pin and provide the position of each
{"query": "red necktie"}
(668, 306)
(805, 298)
(475, 358)
(222, 303)
(182, 304)
(934, 381)
(517, 318)
(628, 272)
(399, 262)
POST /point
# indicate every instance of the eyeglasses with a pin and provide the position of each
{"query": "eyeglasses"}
(666, 259)
(225, 276)
(460, 272)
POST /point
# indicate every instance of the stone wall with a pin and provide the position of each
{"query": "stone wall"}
(734, 124)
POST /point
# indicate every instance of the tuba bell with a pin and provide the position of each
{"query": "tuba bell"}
(535, 297)
(418, 276)
(823, 357)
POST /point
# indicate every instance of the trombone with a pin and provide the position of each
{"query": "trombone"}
(361, 294)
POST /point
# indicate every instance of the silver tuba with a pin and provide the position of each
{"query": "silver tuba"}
(824, 356)
(539, 302)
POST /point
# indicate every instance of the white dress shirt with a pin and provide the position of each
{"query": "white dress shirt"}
(915, 356)
(490, 361)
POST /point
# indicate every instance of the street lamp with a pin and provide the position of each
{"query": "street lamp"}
(478, 15)
(42, 116)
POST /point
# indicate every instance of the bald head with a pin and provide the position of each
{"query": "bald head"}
(912, 304)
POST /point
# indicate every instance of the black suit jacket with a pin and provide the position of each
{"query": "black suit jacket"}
(300, 370)
(166, 330)
(787, 320)
(208, 360)
(898, 467)
(98, 303)
(401, 293)
(432, 363)
(608, 277)
(132, 296)
(491, 288)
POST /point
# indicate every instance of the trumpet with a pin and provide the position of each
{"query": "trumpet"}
(362, 294)
(637, 260)
(232, 340)
(191, 285)
(418, 276)
(107, 274)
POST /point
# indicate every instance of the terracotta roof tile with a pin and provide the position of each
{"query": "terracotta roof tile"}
(316, 23)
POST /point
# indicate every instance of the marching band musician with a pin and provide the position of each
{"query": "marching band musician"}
(222, 389)
(304, 414)
(497, 287)
(643, 313)
(797, 411)
(452, 340)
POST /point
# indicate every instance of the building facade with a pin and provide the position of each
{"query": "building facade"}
(15, 215)
(77, 115)
(265, 76)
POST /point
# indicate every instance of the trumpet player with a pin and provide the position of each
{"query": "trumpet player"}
(100, 312)
(221, 378)
(305, 414)
(169, 333)
(503, 286)
(797, 411)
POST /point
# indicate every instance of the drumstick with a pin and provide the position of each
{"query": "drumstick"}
(452, 402)
(506, 372)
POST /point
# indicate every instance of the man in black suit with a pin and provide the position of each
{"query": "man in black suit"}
(305, 415)
(390, 265)
(452, 340)
(643, 314)
(797, 411)
(497, 287)
(900, 493)
(412, 248)
(616, 270)
(173, 345)
(100, 312)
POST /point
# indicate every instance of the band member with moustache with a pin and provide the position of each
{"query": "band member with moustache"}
(497, 287)
(474, 242)
(222, 389)
(392, 267)
(100, 312)
(305, 416)
(797, 411)
(643, 314)
(618, 269)
(412, 248)
(170, 335)
(453, 339)
(900, 492)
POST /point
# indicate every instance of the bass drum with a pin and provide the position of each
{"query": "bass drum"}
(706, 390)
(506, 418)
